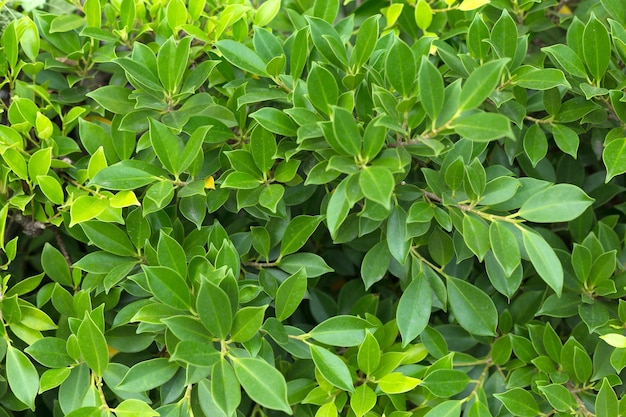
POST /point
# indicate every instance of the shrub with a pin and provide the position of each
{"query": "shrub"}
(313, 208)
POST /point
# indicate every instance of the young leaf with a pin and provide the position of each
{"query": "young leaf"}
(289, 294)
(368, 357)
(566, 139)
(472, 308)
(263, 383)
(413, 312)
(362, 400)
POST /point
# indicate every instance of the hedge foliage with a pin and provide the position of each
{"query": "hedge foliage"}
(313, 208)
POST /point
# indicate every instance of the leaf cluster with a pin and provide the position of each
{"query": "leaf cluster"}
(313, 208)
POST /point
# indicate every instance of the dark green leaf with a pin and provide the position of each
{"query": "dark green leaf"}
(413, 312)
(472, 308)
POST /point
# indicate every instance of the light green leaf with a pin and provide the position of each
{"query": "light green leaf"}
(247, 322)
(483, 127)
(397, 383)
(567, 58)
(86, 208)
(505, 247)
(225, 387)
(606, 401)
(444, 383)
(450, 408)
(368, 356)
(362, 400)
(566, 139)
(542, 79)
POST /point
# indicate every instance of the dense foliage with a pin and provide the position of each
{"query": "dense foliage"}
(314, 208)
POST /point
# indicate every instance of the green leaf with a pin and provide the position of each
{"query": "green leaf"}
(109, 238)
(346, 130)
(147, 375)
(332, 368)
(22, 376)
(444, 383)
(377, 184)
(544, 259)
(247, 322)
(472, 308)
(266, 12)
(368, 357)
(326, 9)
(476, 235)
(375, 264)
(313, 264)
(430, 85)
(614, 157)
(298, 232)
(113, 98)
(225, 387)
(504, 36)
(542, 79)
(55, 265)
(558, 203)
(171, 254)
(341, 330)
(322, 88)
(52, 378)
(214, 309)
(93, 345)
(168, 286)
(559, 397)
(366, 38)
(413, 312)
(263, 148)
(535, 144)
(120, 177)
(519, 402)
(606, 401)
(195, 353)
(241, 56)
(480, 84)
(275, 121)
(50, 352)
(505, 247)
(400, 67)
(567, 58)
(263, 383)
(483, 127)
(134, 408)
(172, 62)
(566, 139)
(596, 47)
(289, 294)
(167, 146)
(39, 163)
(476, 34)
